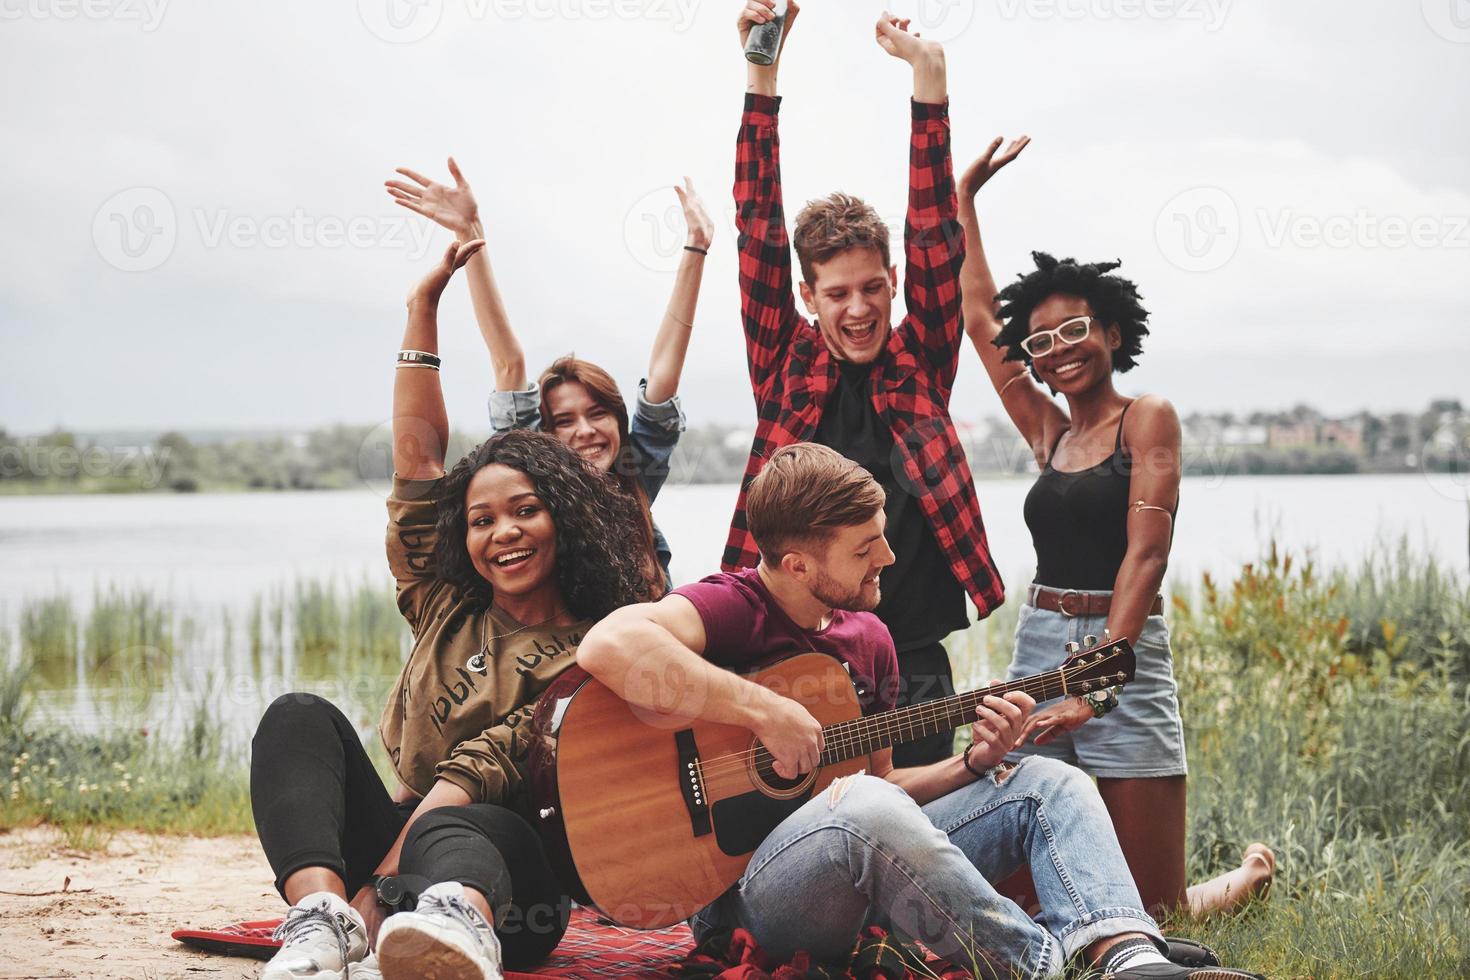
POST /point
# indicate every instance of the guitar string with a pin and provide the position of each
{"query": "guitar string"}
(855, 732)
(862, 731)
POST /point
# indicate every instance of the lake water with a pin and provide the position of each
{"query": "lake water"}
(223, 548)
(210, 556)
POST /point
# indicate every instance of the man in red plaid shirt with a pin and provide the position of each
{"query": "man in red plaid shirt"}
(877, 394)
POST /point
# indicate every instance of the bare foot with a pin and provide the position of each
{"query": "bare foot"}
(1264, 860)
(1237, 887)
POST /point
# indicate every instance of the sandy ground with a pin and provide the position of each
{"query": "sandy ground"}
(114, 918)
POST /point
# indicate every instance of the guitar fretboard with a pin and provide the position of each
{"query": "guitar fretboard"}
(860, 736)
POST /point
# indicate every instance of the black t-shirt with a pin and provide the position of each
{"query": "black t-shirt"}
(922, 600)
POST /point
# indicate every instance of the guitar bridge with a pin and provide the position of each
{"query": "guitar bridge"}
(691, 783)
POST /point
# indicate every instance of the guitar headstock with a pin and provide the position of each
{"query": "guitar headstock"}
(1100, 666)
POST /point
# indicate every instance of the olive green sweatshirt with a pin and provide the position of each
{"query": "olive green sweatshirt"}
(462, 703)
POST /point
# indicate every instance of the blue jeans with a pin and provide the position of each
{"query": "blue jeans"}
(1143, 737)
(877, 857)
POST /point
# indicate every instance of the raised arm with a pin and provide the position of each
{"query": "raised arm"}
(666, 363)
(767, 304)
(420, 424)
(1039, 419)
(934, 244)
(455, 208)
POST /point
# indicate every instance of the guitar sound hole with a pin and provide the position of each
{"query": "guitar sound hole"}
(765, 770)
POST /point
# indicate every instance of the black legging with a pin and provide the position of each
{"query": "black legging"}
(318, 802)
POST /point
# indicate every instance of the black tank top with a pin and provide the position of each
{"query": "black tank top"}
(1079, 521)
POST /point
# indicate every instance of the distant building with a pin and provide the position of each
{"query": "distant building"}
(1343, 433)
(1292, 435)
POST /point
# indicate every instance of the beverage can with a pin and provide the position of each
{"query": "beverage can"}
(764, 41)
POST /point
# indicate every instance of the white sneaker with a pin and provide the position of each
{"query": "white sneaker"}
(445, 938)
(321, 937)
(367, 969)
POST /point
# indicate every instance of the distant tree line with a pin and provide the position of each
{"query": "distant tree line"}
(343, 457)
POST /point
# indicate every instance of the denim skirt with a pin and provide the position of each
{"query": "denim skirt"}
(1141, 738)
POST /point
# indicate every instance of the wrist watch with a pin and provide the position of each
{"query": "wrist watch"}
(1101, 702)
(393, 892)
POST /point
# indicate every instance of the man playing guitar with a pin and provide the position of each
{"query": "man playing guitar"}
(913, 849)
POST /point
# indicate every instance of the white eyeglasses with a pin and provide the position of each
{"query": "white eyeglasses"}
(1071, 331)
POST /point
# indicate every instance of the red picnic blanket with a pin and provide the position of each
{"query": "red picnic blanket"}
(595, 947)
(592, 948)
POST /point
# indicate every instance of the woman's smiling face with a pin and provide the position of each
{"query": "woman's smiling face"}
(1073, 368)
(584, 425)
(510, 533)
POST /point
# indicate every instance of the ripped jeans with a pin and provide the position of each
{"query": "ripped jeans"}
(877, 857)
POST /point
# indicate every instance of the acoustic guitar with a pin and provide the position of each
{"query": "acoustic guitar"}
(651, 816)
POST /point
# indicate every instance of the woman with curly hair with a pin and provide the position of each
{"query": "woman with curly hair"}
(1101, 516)
(502, 566)
(575, 400)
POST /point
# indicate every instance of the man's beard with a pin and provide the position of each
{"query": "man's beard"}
(831, 593)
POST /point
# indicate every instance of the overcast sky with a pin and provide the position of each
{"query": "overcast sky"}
(195, 232)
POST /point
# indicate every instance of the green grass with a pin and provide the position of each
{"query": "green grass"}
(1328, 716)
(184, 774)
(1326, 713)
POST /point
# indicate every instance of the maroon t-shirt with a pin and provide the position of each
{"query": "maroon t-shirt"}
(745, 629)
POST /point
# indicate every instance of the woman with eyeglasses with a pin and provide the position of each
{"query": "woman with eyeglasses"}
(1101, 516)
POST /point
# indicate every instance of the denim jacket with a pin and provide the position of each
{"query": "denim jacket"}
(653, 432)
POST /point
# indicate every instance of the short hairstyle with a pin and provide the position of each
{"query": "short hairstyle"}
(803, 494)
(590, 513)
(1113, 299)
(832, 225)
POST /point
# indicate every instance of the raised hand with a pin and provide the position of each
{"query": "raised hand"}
(762, 12)
(893, 36)
(452, 207)
(432, 285)
(701, 230)
(988, 165)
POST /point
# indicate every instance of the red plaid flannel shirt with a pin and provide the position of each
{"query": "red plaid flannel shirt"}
(792, 371)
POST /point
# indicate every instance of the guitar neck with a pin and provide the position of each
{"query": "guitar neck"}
(860, 736)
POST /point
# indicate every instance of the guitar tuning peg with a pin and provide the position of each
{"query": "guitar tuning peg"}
(1107, 635)
(1072, 647)
(1089, 640)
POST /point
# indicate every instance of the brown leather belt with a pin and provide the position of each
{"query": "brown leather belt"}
(1070, 602)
